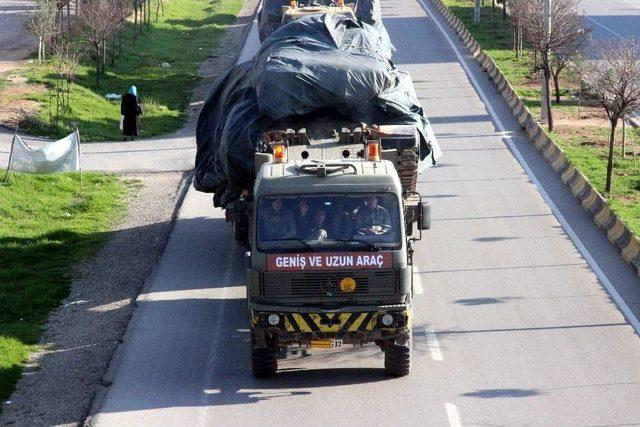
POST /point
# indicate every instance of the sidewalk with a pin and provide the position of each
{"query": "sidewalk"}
(174, 152)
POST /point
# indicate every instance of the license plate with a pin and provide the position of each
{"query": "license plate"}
(326, 343)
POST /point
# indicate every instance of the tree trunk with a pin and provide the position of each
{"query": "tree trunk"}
(119, 42)
(113, 50)
(97, 46)
(612, 139)
(40, 49)
(69, 17)
(504, 11)
(141, 15)
(547, 100)
(135, 20)
(520, 39)
(157, 9)
(624, 137)
(57, 92)
(556, 84)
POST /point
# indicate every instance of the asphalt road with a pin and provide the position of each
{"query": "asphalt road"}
(15, 41)
(613, 18)
(512, 324)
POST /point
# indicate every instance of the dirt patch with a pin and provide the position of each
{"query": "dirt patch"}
(60, 381)
(19, 113)
(591, 121)
(593, 144)
(582, 115)
(6, 66)
(628, 200)
(14, 109)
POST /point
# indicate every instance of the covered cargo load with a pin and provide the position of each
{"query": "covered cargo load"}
(325, 65)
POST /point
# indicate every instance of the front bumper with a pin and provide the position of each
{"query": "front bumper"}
(352, 327)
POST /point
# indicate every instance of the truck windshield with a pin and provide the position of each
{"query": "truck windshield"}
(328, 222)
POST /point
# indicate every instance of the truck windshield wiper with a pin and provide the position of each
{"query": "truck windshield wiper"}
(307, 245)
(370, 246)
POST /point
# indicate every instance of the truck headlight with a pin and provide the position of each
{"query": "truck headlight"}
(387, 320)
(273, 319)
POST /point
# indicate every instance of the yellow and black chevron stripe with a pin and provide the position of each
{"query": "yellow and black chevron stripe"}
(330, 322)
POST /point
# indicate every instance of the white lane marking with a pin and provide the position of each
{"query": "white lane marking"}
(432, 343)
(226, 292)
(452, 414)
(617, 298)
(417, 282)
(604, 27)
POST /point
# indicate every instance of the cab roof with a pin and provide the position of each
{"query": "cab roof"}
(344, 175)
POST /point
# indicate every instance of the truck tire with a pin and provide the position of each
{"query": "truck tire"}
(264, 362)
(240, 232)
(397, 359)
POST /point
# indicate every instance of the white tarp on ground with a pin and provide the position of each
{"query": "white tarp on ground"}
(62, 155)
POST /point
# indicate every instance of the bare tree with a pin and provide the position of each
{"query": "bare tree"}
(101, 19)
(517, 10)
(42, 23)
(567, 28)
(562, 57)
(94, 16)
(67, 56)
(614, 78)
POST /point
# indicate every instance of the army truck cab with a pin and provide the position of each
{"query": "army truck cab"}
(329, 227)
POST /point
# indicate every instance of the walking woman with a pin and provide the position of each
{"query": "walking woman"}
(130, 109)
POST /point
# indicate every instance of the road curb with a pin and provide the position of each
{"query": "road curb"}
(590, 199)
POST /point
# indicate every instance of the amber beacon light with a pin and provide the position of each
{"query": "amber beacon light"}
(279, 153)
(373, 151)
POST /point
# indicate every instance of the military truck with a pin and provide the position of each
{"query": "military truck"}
(329, 228)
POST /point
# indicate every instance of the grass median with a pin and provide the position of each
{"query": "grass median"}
(580, 128)
(185, 36)
(47, 224)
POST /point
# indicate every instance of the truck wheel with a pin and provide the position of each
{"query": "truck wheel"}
(264, 362)
(240, 232)
(397, 359)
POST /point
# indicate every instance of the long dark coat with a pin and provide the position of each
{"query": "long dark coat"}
(130, 109)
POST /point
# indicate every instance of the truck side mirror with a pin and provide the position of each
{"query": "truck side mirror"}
(425, 215)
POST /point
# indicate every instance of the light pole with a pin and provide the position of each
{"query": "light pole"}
(476, 12)
(544, 93)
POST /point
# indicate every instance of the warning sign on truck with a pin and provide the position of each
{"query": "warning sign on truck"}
(329, 261)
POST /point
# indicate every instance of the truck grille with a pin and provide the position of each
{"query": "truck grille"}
(326, 284)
